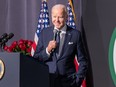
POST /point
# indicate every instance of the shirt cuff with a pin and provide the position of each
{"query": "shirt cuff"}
(47, 52)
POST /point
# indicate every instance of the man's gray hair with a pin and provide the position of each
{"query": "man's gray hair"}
(60, 6)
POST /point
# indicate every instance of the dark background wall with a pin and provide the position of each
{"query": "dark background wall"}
(98, 22)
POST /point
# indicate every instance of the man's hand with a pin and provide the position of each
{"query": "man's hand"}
(51, 46)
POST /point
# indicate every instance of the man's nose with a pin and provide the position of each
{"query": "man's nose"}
(57, 19)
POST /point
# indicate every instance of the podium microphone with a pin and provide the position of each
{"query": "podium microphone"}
(7, 38)
(3, 36)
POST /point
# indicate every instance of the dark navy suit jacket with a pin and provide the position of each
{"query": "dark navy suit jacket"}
(65, 63)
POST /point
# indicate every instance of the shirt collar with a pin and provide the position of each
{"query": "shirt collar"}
(63, 30)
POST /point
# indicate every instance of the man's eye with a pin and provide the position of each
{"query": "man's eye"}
(54, 16)
(60, 17)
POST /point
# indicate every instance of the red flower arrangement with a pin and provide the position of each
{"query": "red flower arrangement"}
(22, 46)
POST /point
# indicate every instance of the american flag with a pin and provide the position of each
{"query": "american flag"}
(71, 17)
(71, 23)
(43, 22)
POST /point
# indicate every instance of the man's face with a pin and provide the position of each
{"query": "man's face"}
(58, 18)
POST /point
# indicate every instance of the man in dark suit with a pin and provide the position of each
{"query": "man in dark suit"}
(58, 51)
